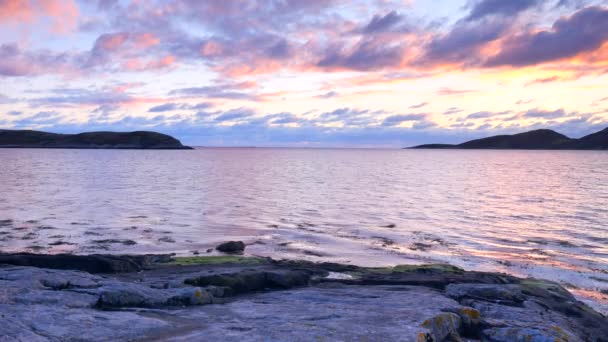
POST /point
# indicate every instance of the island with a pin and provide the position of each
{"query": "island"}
(236, 298)
(541, 139)
(89, 140)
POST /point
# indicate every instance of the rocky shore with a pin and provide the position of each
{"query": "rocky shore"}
(235, 298)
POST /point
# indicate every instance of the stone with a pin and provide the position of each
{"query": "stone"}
(508, 294)
(94, 263)
(440, 327)
(526, 334)
(231, 247)
(263, 299)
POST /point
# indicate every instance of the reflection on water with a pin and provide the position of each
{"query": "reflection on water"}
(536, 213)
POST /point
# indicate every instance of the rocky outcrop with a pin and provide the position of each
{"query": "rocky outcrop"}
(262, 299)
(89, 140)
(94, 263)
(541, 139)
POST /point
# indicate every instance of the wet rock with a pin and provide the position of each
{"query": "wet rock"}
(95, 263)
(231, 247)
(116, 241)
(166, 239)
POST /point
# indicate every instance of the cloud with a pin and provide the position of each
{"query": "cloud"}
(544, 114)
(367, 54)
(328, 95)
(584, 31)
(62, 14)
(449, 91)
(480, 115)
(420, 105)
(390, 22)
(395, 120)
(167, 107)
(485, 8)
(463, 44)
(452, 110)
(223, 91)
(235, 114)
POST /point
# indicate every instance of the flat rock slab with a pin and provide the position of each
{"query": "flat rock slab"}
(262, 300)
(346, 313)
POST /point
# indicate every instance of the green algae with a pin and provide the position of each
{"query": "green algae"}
(440, 268)
(217, 260)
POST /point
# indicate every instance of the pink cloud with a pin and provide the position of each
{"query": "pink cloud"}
(136, 64)
(145, 40)
(63, 14)
(111, 41)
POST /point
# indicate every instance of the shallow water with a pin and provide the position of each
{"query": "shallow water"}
(528, 213)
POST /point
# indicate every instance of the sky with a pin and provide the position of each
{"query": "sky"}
(308, 73)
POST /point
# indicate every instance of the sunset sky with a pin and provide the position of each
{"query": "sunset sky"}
(384, 73)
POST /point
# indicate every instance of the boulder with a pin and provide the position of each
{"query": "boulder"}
(231, 247)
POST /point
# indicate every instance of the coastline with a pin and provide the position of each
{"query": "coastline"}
(132, 297)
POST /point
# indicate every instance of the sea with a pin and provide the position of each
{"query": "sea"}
(537, 214)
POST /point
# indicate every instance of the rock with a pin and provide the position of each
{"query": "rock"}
(231, 247)
(440, 327)
(166, 301)
(251, 281)
(526, 334)
(122, 295)
(509, 294)
(95, 263)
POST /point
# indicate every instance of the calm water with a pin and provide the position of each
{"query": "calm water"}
(537, 213)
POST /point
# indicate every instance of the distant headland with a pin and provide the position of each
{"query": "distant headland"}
(541, 139)
(90, 140)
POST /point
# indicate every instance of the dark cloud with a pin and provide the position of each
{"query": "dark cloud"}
(395, 120)
(486, 115)
(462, 44)
(420, 105)
(511, 8)
(584, 31)
(45, 118)
(235, 114)
(543, 114)
(368, 54)
(74, 97)
(452, 110)
(284, 118)
(167, 107)
(480, 115)
(347, 116)
(390, 22)
(229, 91)
(328, 95)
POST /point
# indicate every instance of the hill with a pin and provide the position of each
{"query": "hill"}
(89, 140)
(541, 139)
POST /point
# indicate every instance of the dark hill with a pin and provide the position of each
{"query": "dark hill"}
(89, 140)
(541, 139)
(595, 141)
